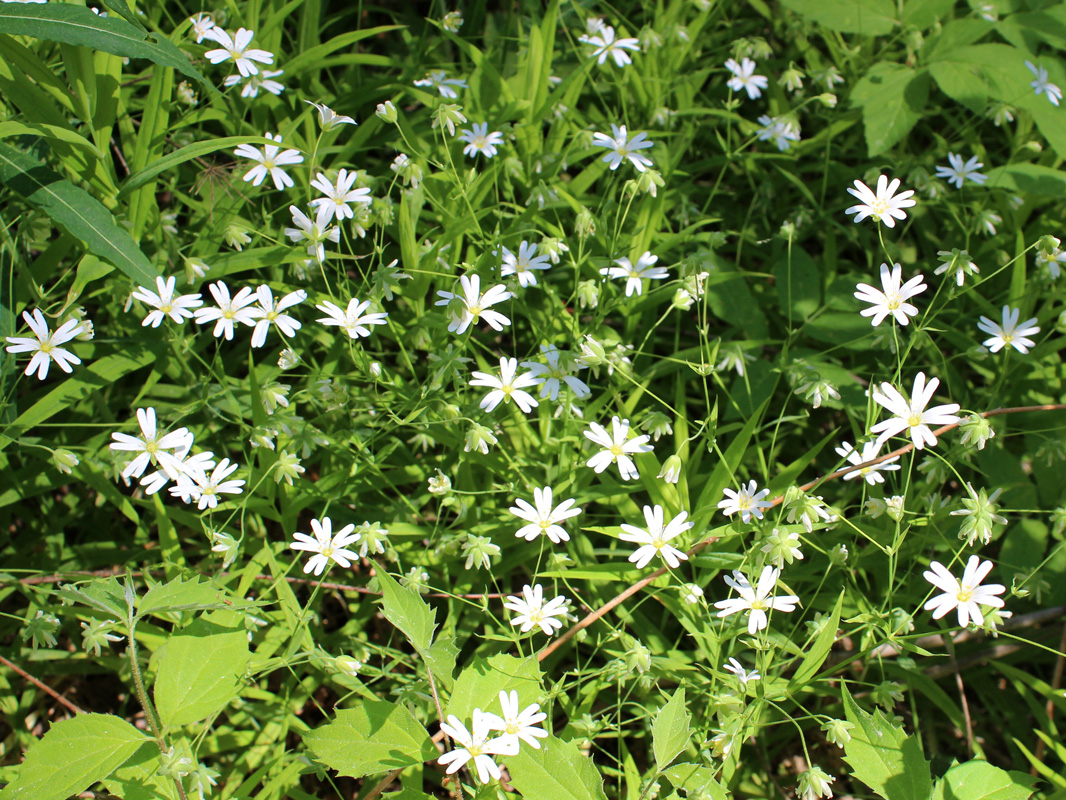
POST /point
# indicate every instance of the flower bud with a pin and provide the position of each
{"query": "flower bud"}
(64, 460)
(387, 112)
(671, 471)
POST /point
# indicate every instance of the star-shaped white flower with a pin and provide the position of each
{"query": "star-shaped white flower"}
(742, 674)
(967, 595)
(228, 311)
(782, 131)
(622, 147)
(884, 205)
(316, 233)
(654, 541)
(617, 448)
(328, 118)
(152, 447)
(201, 24)
(911, 416)
(476, 746)
(605, 44)
(555, 372)
(45, 344)
(205, 489)
(524, 264)
(532, 611)
(543, 519)
(744, 77)
(251, 85)
(268, 312)
(756, 601)
(515, 725)
(480, 140)
(636, 273)
(269, 161)
(474, 305)
(1042, 85)
(326, 545)
(338, 195)
(352, 319)
(165, 304)
(870, 451)
(1011, 332)
(958, 172)
(236, 47)
(442, 83)
(893, 300)
(748, 502)
(509, 386)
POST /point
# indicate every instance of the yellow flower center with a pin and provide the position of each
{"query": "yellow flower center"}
(914, 420)
(964, 594)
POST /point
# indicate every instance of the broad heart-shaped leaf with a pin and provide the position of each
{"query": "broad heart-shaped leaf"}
(557, 771)
(72, 756)
(440, 660)
(816, 656)
(71, 208)
(694, 779)
(868, 17)
(374, 737)
(480, 684)
(72, 24)
(139, 778)
(882, 756)
(406, 609)
(891, 97)
(979, 780)
(199, 674)
(671, 730)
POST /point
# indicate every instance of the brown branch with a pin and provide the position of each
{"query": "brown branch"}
(636, 587)
(44, 687)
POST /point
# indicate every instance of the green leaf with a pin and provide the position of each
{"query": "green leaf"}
(924, 13)
(374, 737)
(479, 685)
(139, 778)
(868, 17)
(185, 594)
(892, 98)
(819, 651)
(199, 674)
(73, 209)
(406, 609)
(557, 771)
(72, 756)
(883, 756)
(1028, 179)
(103, 594)
(312, 56)
(671, 730)
(695, 779)
(440, 659)
(979, 780)
(77, 25)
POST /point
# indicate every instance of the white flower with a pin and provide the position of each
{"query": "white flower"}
(1042, 86)
(635, 273)
(622, 147)
(475, 304)
(261, 80)
(555, 373)
(339, 195)
(893, 300)
(756, 601)
(228, 310)
(507, 387)
(543, 519)
(328, 118)
(533, 611)
(869, 453)
(201, 24)
(352, 319)
(524, 264)
(326, 545)
(1053, 261)
(605, 44)
(748, 501)
(517, 725)
(268, 313)
(742, 674)
(734, 356)
(153, 447)
(165, 304)
(956, 263)
(654, 540)
(237, 49)
(316, 233)
(479, 140)
(912, 416)
(617, 447)
(269, 161)
(45, 344)
(967, 595)
(476, 746)
(781, 130)
(1011, 332)
(987, 220)
(957, 172)
(205, 489)
(744, 77)
(443, 84)
(883, 206)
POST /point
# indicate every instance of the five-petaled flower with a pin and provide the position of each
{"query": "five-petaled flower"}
(655, 540)
(912, 416)
(480, 140)
(45, 344)
(523, 264)
(622, 147)
(471, 304)
(884, 205)
(532, 611)
(228, 311)
(439, 80)
(353, 319)
(152, 447)
(1042, 85)
(270, 312)
(605, 44)
(476, 746)
(337, 196)
(869, 452)
(270, 161)
(236, 47)
(893, 299)
(326, 545)
(636, 273)
(518, 726)
(509, 386)
(1010, 332)
(543, 519)
(958, 172)
(617, 447)
(967, 595)
(165, 304)
(756, 601)
(744, 77)
(748, 502)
